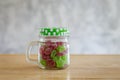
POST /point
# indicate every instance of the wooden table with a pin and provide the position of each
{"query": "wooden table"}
(83, 67)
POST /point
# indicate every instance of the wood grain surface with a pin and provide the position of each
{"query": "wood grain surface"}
(82, 67)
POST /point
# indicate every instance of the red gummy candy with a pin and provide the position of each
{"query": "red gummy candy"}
(59, 43)
(48, 43)
(41, 50)
(45, 57)
(50, 63)
(53, 46)
(60, 54)
(48, 51)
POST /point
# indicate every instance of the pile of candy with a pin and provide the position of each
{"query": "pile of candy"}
(53, 54)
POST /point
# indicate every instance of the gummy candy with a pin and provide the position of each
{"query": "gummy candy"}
(50, 63)
(60, 48)
(43, 62)
(61, 61)
(53, 54)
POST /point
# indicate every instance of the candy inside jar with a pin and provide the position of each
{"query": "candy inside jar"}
(54, 54)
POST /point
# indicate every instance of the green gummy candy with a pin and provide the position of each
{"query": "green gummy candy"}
(60, 61)
(43, 62)
(53, 54)
(56, 58)
(64, 57)
(60, 48)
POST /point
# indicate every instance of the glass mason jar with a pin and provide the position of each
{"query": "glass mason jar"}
(53, 48)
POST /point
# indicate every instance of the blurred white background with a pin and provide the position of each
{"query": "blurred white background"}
(94, 24)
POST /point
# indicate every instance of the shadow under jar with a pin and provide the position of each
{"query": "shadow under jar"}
(53, 48)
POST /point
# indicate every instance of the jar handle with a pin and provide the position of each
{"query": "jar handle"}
(28, 52)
